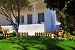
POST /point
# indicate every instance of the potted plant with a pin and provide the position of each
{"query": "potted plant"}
(60, 34)
(5, 31)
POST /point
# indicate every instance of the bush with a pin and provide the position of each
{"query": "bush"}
(13, 33)
(55, 36)
(67, 34)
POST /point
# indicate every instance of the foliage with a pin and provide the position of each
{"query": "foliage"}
(13, 33)
(55, 4)
(65, 9)
(67, 22)
(67, 35)
(55, 36)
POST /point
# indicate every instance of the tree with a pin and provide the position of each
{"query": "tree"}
(67, 8)
(12, 8)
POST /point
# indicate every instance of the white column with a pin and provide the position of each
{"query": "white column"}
(34, 21)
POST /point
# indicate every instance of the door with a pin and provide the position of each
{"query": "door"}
(29, 19)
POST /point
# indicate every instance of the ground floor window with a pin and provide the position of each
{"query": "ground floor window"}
(29, 19)
(21, 19)
(40, 17)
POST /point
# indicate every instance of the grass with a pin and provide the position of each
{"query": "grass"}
(36, 43)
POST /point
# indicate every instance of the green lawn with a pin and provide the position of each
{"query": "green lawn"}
(36, 43)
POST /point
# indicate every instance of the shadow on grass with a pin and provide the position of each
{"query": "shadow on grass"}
(51, 43)
(19, 48)
(73, 48)
(37, 43)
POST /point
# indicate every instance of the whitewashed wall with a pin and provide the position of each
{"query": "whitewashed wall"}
(48, 14)
(48, 22)
(3, 20)
(9, 28)
(32, 28)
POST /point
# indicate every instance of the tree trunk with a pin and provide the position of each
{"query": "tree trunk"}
(16, 29)
(16, 26)
(18, 37)
(17, 34)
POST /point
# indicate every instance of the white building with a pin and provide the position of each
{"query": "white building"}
(39, 19)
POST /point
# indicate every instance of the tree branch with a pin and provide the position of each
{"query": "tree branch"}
(7, 17)
(14, 15)
(1, 13)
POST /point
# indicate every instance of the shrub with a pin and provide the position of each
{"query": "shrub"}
(13, 33)
(65, 36)
(55, 36)
(68, 34)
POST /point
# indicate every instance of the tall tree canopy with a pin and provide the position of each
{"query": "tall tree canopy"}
(12, 8)
(65, 9)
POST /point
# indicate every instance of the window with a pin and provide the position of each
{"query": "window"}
(40, 17)
(29, 19)
(22, 19)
